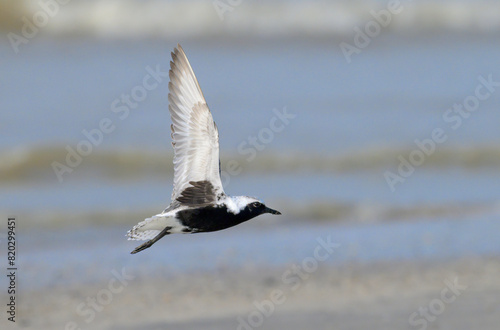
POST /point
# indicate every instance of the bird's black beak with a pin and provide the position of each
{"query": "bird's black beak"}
(268, 210)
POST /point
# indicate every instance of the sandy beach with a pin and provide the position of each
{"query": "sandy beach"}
(376, 296)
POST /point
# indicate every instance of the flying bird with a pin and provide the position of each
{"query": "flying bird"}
(199, 203)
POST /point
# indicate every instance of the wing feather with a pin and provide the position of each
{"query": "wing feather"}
(195, 137)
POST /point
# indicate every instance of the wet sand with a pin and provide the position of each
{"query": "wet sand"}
(374, 296)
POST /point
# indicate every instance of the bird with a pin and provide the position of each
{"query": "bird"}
(198, 203)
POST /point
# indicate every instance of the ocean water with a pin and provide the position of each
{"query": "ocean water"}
(348, 125)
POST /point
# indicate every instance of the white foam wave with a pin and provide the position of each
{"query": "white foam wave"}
(200, 19)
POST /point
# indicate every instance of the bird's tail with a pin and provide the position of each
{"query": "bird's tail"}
(151, 229)
(146, 245)
(147, 229)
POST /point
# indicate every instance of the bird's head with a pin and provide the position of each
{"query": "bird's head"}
(256, 207)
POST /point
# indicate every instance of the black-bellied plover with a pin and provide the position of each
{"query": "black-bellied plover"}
(199, 203)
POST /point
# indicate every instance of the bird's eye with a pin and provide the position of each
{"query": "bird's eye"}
(256, 204)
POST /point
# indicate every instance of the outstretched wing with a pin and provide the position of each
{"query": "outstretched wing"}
(194, 137)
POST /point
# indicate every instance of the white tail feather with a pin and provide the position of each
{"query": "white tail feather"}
(147, 229)
(151, 227)
(134, 235)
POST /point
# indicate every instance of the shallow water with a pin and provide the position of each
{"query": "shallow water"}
(67, 257)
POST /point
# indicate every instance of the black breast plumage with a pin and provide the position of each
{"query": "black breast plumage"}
(212, 218)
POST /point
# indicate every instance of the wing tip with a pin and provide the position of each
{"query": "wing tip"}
(177, 53)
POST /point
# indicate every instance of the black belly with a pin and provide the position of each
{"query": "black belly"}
(211, 218)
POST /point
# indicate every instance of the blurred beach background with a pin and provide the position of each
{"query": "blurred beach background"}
(326, 127)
